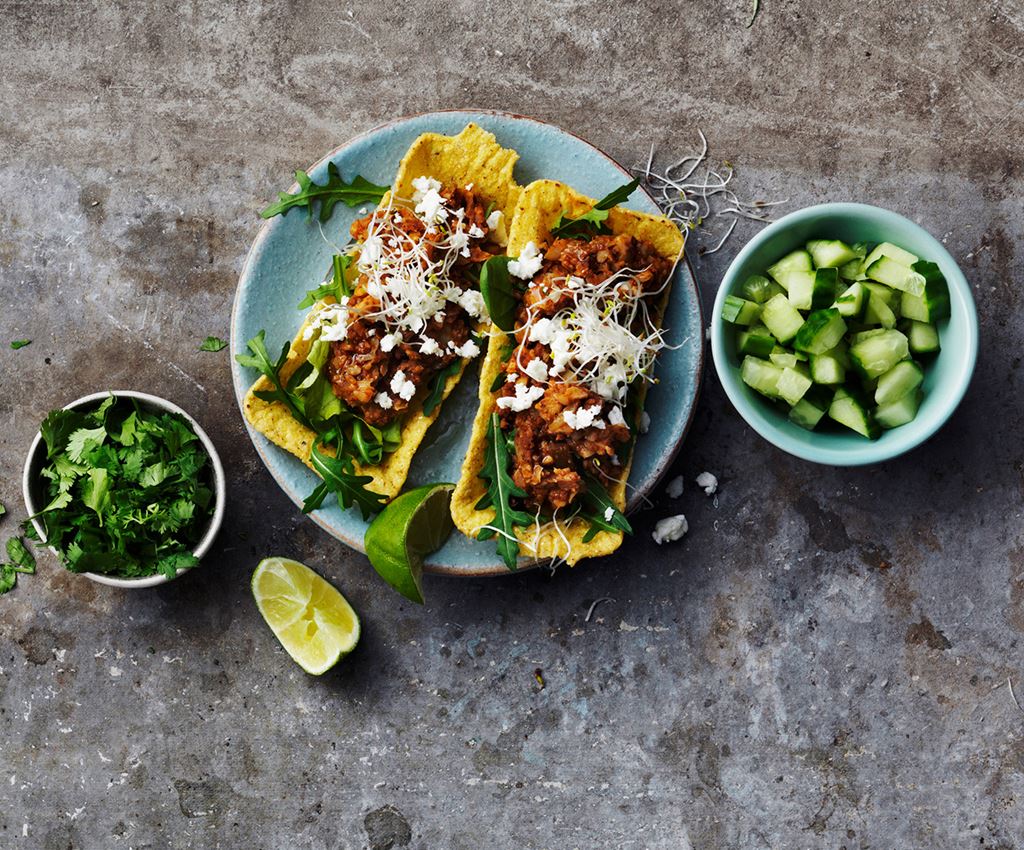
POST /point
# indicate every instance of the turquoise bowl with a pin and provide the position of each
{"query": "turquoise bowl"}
(946, 376)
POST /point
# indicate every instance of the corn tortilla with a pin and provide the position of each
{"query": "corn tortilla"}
(539, 207)
(473, 156)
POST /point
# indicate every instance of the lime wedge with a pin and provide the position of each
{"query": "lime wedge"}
(413, 525)
(314, 622)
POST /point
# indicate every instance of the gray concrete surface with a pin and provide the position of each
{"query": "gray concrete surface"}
(821, 663)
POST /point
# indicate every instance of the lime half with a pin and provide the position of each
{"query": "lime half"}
(412, 526)
(307, 614)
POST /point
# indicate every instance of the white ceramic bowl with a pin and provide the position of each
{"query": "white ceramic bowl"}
(32, 489)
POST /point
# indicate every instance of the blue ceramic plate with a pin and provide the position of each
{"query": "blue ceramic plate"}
(290, 255)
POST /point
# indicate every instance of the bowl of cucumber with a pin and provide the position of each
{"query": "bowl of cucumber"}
(844, 334)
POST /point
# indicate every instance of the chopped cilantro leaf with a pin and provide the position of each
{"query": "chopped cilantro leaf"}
(127, 489)
(213, 343)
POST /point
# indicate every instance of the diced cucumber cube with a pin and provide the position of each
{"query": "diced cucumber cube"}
(800, 286)
(923, 337)
(879, 313)
(795, 261)
(762, 376)
(828, 368)
(899, 412)
(781, 318)
(847, 410)
(739, 311)
(784, 357)
(808, 411)
(792, 384)
(759, 289)
(886, 270)
(898, 381)
(860, 336)
(936, 290)
(914, 307)
(877, 354)
(755, 341)
(890, 296)
(822, 331)
(826, 284)
(851, 303)
(830, 253)
(894, 252)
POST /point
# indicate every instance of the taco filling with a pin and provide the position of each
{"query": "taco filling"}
(585, 332)
(414, 304)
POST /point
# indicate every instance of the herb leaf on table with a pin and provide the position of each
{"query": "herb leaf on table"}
(213, 343)
(359, 191)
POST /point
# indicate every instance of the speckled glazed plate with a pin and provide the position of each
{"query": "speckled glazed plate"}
(290, 255)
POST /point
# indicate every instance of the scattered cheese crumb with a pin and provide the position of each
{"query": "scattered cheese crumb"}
(429, 202)
(523, 399)
(669, 529)
(429, 346)
(402, 386)
(496, 224)
(675, 487)
(708, 482)
(389, 341)
(615, 416)
(527, 264)
(536, 369)
(468, 349)
(645, 422)
(383, 400)
(584, 417)
(476, 231)
(609, 512)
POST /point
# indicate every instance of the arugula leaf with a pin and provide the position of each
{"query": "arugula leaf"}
(595, 504)
(339, 477)
(359, 191)
(499, 292)
(500, 489)
(592, 223)
(337, 286)
(20, 343)
(21, 559)
(8, 577)
(260, 360)
(436, 394)
(213, 343)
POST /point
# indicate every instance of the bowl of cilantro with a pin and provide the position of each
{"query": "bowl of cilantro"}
(125, 488)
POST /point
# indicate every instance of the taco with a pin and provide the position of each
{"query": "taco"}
(562, 389)
(390, 335)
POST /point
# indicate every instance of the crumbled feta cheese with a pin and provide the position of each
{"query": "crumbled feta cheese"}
(615, 416)
(429, 202)
(468, 349)
(609, 512)
(383, 400)
(460, 242)
(476, 231)
(370, 253)
(542, 331)
(330, 321)
(402, 386)
(528, 262)
(469, 187)
(645, 422)
(675, 487)
(669, 529)
(708, 482)
(523, 399)
(389, 341)
(496, 224)
(584, 417)
(536, 369)
(472, 302)
(511, 378)
(429, 346)
(574, 282)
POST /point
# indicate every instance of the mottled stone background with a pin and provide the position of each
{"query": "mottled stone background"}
(821, 662)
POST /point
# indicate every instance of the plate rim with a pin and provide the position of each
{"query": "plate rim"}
(666, 459)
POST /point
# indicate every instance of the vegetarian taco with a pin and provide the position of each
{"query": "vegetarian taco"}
(577, 327)
(390, 333)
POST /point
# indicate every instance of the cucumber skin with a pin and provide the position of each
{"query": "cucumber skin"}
(820, 332)
(847, 411)
(936, 290)
(755, 344)
(901, 411)
(780, 312)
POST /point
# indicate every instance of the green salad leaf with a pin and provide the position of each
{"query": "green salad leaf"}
(592, 223)
(499, 292)
(340, 478)
(213, 343)
(436, 394)
(500, 490)
(20, 343)
(595, 505)
(128, 491)
(359, 191)
(338, 286)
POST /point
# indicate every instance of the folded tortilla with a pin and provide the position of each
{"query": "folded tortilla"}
(473, 156)
(539, 206)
